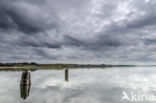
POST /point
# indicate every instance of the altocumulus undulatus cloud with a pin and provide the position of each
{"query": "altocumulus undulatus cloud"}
(78, 31)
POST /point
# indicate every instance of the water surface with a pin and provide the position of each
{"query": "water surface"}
(77, 85)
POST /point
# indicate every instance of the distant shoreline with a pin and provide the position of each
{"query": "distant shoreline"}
(24, 66)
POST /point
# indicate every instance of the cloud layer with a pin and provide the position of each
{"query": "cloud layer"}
(78, 31)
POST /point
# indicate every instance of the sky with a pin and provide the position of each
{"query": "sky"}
(78, 31)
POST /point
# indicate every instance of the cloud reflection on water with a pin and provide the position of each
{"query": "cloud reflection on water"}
(84, 85)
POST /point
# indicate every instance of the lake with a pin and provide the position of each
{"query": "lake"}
(108, 85)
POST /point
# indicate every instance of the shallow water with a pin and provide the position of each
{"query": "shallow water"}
(78, 85)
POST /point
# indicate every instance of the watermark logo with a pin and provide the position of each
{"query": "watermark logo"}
(138, 97)
(125, 96)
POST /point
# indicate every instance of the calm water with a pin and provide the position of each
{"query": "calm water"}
(77, 85)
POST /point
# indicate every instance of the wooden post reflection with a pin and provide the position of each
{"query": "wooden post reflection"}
(66, 75)
(25, 84)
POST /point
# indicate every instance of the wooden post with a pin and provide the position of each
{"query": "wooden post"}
(66, 75)
(25, 84)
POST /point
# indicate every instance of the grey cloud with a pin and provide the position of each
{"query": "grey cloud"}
(14, 16)
(32, 42)
(71, 41)
(143, 17)
(147, 18)
(107, 9)
(101, 42)
(43, 54)
(143, 22)
(150, 41)
(96, 29)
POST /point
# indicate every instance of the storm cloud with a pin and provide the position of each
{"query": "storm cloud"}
(78, 31)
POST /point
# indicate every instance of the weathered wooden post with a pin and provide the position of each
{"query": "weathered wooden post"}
(66, 74)
(25, 84)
